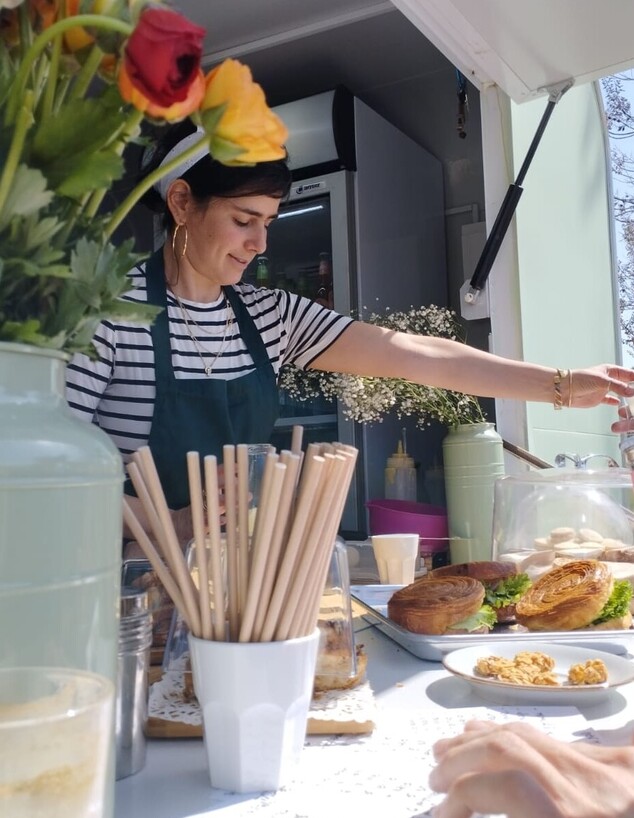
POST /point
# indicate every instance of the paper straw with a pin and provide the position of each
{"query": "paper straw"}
(233, 599)
(215, 544)
(311, 608)
(311, 602)
(278, 538)
(261, 548)
(303, 512)
(312, 546)
(296, 439)
(148, 487)
(147, 504)
(242, 452)
(200, 541)
(155, 561)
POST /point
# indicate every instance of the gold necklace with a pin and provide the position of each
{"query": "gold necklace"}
(208, 367)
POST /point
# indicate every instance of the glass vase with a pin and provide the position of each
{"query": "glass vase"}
(61, 484)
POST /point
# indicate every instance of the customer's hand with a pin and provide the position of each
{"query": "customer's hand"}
(625, 424)
(518, 771)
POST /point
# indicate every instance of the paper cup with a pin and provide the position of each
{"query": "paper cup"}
(254, 698)
(395, 556)
(55, 735)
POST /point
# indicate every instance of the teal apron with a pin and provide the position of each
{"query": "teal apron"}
(204, 414)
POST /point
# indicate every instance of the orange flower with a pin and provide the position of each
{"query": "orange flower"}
(171, 113)
(162, 62)
(247, 131)
(43, 13)
(77, 38)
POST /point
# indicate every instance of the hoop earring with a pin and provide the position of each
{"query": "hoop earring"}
(174, 234)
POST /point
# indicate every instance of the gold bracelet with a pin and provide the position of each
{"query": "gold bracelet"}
(560, 374)
(569, 388)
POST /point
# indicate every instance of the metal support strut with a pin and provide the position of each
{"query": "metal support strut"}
(507, 210)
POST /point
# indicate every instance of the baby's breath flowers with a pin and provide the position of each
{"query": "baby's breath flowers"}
(368, 400)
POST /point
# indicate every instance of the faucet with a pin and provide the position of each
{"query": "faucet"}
(582, 462)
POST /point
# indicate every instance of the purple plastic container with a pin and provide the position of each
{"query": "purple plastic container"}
(406, 517)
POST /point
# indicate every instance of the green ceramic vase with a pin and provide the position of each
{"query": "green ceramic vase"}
(473, 458)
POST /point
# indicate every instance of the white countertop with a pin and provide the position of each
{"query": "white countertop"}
(384, 774)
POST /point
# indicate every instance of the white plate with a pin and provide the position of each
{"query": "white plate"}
(462, 663)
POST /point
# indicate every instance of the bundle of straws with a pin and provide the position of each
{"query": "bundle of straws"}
(275, 577)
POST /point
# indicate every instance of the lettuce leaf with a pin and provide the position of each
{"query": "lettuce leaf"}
(618, 604)
(507, 591)
(485, 616)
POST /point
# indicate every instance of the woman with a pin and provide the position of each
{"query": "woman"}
(205, 373)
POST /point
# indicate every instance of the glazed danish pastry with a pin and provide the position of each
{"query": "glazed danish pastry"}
(433, 606)
(566, 598)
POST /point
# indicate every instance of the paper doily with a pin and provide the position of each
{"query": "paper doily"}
(342, 710)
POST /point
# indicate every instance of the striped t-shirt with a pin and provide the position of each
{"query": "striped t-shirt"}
(117, 390)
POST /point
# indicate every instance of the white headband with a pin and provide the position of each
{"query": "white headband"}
(180, 147)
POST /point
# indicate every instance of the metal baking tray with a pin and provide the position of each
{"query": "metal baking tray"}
(373, 600)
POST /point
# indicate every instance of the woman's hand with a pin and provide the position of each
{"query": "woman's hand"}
(598, 384)
(518, 771)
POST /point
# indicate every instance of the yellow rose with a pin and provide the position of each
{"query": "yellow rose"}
(247, 131)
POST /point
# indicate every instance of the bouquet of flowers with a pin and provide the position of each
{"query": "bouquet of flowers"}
(368, 400)
(77, 79)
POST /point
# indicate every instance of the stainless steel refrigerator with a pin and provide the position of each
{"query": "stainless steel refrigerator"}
(366, 208)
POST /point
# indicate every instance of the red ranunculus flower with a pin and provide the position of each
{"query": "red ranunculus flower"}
(162, 56)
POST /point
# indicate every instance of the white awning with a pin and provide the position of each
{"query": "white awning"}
(529, 46)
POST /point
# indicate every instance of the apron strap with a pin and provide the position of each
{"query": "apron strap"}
(248, 330)
(157, 295)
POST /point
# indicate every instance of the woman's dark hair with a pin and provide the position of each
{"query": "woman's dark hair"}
(209, 178)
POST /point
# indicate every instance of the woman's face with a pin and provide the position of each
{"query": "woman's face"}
(226, 234)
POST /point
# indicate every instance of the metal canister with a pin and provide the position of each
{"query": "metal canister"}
(135, 637)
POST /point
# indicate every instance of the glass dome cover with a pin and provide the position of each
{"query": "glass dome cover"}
(567, 511)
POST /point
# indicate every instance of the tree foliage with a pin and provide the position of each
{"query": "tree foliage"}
(620, 123)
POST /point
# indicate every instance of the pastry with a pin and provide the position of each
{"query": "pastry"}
(578, 594)
(440, 606)
(503, 584)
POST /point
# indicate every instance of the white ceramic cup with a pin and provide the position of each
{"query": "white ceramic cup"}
(395, 556)
(55, 735)
(254, 698)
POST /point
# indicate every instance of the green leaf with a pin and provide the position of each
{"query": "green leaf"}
(225, 151)
(28, 194)
(618, 604)
(76, 149)
(81, 127)
(210, 117)
(39, 232)
(26, 332)
(485, 616)
(34, 269)
(507, 591)
(86, 173)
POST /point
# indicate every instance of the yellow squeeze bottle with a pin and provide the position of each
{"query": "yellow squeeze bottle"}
(400, 474)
